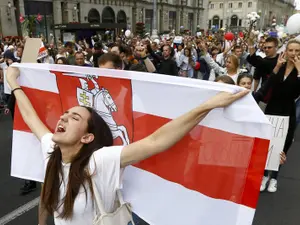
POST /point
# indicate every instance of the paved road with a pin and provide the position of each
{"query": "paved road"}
(281, 208)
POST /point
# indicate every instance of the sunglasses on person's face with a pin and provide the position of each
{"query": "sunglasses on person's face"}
(268, 47)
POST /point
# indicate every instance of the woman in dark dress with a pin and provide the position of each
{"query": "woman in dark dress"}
(282, 89)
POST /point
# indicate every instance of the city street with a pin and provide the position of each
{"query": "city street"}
(281, 208)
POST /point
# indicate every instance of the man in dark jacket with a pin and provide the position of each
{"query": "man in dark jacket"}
(168, 65)
(264, 66)
(97, 53)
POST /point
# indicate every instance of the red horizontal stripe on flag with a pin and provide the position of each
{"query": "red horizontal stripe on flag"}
(48, 107)
(215, 163)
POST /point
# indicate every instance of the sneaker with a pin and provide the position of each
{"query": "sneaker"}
(264, 183)
(28, 187)
(272, 185)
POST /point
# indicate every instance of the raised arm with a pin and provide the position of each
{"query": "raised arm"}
(172, 132)
(211, 63)
(256, 61)
(273, 79)
(27, 111)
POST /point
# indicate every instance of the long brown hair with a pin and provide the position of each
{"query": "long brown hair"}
(77, 175)
(190, 54)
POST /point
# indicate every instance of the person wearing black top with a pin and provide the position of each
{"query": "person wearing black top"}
(263, 66)
(284, 84)
(98, 51)
(9, 59)
(120, 50)
(168, 65)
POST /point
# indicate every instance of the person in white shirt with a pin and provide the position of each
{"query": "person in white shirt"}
(61, 52)
(232, 65)
(81, 149)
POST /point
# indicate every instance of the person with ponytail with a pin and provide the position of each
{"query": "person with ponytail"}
(80, 151)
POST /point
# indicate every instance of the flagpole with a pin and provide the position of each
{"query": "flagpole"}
(154, 23)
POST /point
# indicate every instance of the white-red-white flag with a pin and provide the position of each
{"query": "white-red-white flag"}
(42, 51)
(210, 177)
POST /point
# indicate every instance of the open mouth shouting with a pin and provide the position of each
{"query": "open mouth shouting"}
(60, 129)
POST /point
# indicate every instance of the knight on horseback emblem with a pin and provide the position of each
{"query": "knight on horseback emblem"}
(101, 100)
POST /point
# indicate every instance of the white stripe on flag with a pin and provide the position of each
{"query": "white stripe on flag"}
(147, 86)
(166, 105)
(27, 149)
(39, 79)
(176, 204)
(80, 71)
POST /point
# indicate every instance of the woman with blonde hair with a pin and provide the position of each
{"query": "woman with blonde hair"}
(283, 88)
(231, 64)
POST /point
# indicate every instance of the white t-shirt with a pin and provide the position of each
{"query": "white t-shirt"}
(234, 77)
(105, 166)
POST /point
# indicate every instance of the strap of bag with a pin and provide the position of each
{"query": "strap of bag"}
(98, 199)
(120, 197)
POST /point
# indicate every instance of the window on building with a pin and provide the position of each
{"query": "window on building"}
(212, 6)
(45, 26)
(209, 23)
(149, 20)
(230, 5)
(216, 22)
(200, 3)
(78, 12)
(234, 21)
(221, 5)
(240, 23)
(221, 23)
(249, 4)
(190, 21)
(172, 20)
(240, 5)
(65, 13)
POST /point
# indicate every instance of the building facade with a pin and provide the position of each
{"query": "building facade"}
(8, 19)
(233, 13)
(58, 15)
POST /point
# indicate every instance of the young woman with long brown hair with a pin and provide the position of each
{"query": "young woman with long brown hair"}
(186, 63)
(80, 150)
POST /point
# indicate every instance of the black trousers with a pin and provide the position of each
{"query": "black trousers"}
(11, 102)
(287, 145)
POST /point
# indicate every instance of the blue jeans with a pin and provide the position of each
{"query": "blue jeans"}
(190, 73)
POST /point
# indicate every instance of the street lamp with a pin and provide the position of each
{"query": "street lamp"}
(8, 11)
(74, 12)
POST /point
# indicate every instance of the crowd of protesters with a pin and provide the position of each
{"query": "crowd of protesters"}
(254, 63)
